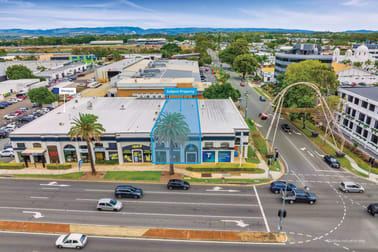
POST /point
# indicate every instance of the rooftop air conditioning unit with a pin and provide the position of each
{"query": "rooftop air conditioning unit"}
(122, 107)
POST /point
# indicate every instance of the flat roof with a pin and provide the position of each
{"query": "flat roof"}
(368, 92)
(132, 117)
(16, 85)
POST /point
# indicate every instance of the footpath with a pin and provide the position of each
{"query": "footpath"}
(156, 233)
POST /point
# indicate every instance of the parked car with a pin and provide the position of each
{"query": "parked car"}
(35, 105)
(277, 186)
(373, 209)
(4, 103)
(72, 78)
(8, 146)
(37, 114)
(10, 116)
(262, 98)
(351, 187)
(7, 153)
(18, 112)
(128, 191)
(285, 127)
(299, 196)
(20, 98)
(81, 75)
(331, 161)
(4, 134)
(27, 119)
(12, 100)
(2, 106)
(72, 240)
(23, 109)
(178, 184)
(242, 84)
(263, 116)
(109, 205)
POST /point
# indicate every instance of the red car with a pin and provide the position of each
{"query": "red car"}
(212, 71)
(18, 112)
(21, 97)
(263, 116)
(242, 84)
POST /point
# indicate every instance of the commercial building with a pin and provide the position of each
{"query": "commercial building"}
(372, 48)
(129, 123)
(106, 72)
(106, 42)
(300, 52)
(13, 86)
(149, 78)
(267, 74)
(358, 117)
(347, 75)
(361, 54)
(147, 41)
(63, 71)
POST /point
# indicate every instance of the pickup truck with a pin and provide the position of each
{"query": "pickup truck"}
(299, 196)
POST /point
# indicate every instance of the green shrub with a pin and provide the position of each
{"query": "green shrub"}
(225, 167)
(59, 166)
(252, 157)
(107, 162)
(11, 166)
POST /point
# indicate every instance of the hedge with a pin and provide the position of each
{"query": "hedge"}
(59, 166)
(11, 166)
(225, 167)
(107, 162)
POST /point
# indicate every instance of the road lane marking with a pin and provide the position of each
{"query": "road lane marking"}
(309, 152)
(54, 183)
(37, 197)
(177, 193)
(177, 203)
(261, 209)
(50, 188)
(36, 215)
(220, 189)
(151, 239)
(131, 213)
(239, 223)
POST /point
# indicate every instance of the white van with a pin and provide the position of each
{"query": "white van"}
(94, 84)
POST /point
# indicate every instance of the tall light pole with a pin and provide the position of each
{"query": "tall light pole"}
(246, 104)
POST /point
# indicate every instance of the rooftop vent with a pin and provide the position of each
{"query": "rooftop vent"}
(76, 101)
(89, 105)
(61, 123)
(122, 107)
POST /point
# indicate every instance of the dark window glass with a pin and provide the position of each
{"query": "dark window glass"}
(20, 145)
(359, 130)
(361, 117)
(353, 112)
(348, 110)
(364, 104)
(371, 107)
(351, 125)
(343, 95)
(356, 101)
(113, 146)
(374, 139)
(350, 98)
(345, 122)
(368, 120)
(365, 133)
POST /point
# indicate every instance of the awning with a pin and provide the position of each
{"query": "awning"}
(34, 151)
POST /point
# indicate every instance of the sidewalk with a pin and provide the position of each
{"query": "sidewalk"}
(373, 177)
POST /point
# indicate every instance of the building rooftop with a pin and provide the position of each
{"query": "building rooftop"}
(131, 116)
(368, 92)
(16, 85)
(340, 67)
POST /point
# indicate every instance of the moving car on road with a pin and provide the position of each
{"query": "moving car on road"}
(373, 209)
(242, 84)
(109, 205)
(331, 161)
(128, 191)
(351, 187)
(262, 98)
(299, 196)
(77, 241)
(263, 116)
(178, 184)
(277, 186)
(285, 127)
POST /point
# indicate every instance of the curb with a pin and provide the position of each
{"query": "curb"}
(153, 233)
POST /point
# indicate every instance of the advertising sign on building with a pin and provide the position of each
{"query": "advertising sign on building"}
(67, 91)
(224, 156)
(208, 156)
(180, 91)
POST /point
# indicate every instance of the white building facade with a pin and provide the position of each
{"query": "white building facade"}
(358, 118)
(356, 75)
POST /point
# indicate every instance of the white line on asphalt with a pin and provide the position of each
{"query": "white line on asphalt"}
(178, 203)
(177, 193)
(262, 210)
(36, 197)
(50, 188)
(309, 152)
(130, 213)
(152, 239)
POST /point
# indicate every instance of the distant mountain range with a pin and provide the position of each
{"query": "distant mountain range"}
(137, 30)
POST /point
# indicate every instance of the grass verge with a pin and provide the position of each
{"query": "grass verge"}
(133, 175)
(220, 181)
(252, 157)
(73, 175)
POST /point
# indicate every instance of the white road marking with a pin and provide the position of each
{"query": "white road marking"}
(303, 148)
(152, 239)
(296, 132)
(258, 125)
(177, 193)
(130, 213)
(36, 197)
(178, 203)
(320, 155)
(239, 223)
(309, 152)
(261, 209)
(54, 183)
(220, 189)
(49, 188)
(36, 215)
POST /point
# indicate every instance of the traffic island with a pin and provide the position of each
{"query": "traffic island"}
(140, 232)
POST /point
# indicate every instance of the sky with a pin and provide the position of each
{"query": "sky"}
(318, 15)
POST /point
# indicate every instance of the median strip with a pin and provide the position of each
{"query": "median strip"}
(155, 233)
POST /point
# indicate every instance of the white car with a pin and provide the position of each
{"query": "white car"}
(10, 116)
(7, 153)
(351, 187)
(77, 241)
(109, 205)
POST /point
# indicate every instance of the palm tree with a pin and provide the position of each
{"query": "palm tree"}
(172, 129)
(87, 128)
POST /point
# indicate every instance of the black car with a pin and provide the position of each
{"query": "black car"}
(4, 134)
(37, 114)
(127, 191)
(27, 119)
(277, 186)
(2, 106)
(299, 196)
(262, 98)
(178, 184)
(332, 161)
(285, 127)
(373, 209)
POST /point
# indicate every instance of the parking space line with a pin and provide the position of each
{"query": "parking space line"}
(261, 209)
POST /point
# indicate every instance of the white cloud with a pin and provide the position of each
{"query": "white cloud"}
(355, 3)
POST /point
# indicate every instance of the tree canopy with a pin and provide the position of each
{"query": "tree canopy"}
(228, 55)
(223, 91)
(17, 72)
(170, 49)
(42, 95)
(245, 63)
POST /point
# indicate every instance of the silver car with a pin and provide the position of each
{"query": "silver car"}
(351, 187)
(109, 205)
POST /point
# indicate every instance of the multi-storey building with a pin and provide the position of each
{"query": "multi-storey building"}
(358, 117)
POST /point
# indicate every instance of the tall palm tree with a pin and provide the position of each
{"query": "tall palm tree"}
(87, 128)
(172, 129)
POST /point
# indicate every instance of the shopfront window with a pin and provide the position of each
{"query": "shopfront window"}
(53, 154)
(208, 156)
(70, 153)
(224, 156)
(113, 155)
(37, 145)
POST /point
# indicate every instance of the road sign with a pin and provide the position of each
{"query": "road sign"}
(80, 163)
(67, 91)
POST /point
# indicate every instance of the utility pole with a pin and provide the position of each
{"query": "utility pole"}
(371, 162)
(246, 104)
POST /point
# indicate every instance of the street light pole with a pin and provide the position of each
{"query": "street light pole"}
(246, 104)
